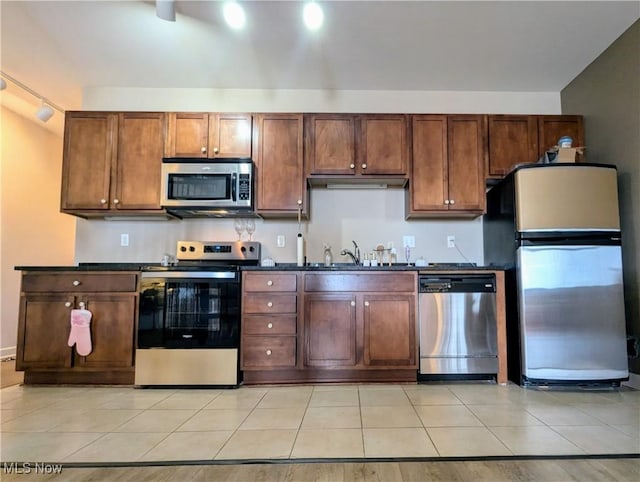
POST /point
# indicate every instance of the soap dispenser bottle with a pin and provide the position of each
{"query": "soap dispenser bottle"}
(328, 257)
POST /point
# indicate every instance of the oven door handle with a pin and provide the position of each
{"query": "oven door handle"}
(190, 274)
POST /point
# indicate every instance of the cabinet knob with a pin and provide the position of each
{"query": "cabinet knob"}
(268, 352)
(68, 304)
(270, 304)
(446, 201)
(452, 201)
(269, 283)
(364, 166)
(299, 202)
(116, 201)
(216, 150)
(353, 303)
(352, 165)
(203, 150)
(76, 283)
(103, 201)
(366, 303)
(269, 325)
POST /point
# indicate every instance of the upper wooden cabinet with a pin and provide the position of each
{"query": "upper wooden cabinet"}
(278, 156)
(447, 176)
(552, 127)
(361, 145)
(208, 135)
(522, 139)
(111, 163)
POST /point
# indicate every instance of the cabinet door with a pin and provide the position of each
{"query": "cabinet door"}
(466, 159)
(552, 127)
(139, 161)
(89, 150)
(389, 330)
(330, 330)
(384, 144)
(278, 156)
(43, 331)
(331, 146)
(428, 182)
(230, 135)
(112, 331)
(187, 134)
(513, 140)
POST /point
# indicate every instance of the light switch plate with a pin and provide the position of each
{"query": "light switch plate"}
(124, 240)
(280, 241)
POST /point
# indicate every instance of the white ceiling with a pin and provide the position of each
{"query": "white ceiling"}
(59, 47)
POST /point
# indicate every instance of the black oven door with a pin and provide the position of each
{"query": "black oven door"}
(189, 310)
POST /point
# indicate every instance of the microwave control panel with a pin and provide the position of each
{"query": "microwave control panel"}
(244, 187)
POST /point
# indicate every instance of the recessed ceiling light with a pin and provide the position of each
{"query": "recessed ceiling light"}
(313, 16)
(234, 15)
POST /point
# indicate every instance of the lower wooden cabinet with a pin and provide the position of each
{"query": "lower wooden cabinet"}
(347, 326)
(46, 302)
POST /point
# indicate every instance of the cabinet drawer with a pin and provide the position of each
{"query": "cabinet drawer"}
(79, 282)
(343, 282)
(269, 303)
(268, 351)
(269, 325)
(270, 282)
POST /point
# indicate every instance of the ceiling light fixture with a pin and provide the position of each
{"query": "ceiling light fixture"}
(313, 16)
(45, 112)
(234, 15)
(46, 109)
(166, 10)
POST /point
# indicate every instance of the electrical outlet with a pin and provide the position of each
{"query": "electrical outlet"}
(451, 241)
(280, 241)
(409, 241)
(124, 240)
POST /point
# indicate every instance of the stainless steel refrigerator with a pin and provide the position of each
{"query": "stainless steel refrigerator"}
(557, 229)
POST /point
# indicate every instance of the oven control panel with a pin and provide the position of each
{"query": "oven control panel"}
(227, 251)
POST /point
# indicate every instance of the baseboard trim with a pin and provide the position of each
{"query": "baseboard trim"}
(7, 352)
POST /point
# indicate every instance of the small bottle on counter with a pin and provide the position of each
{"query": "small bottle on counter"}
(365, 261)
(328, 257)
(394, 256)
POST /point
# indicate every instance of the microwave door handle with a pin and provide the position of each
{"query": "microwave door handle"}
(234, 182)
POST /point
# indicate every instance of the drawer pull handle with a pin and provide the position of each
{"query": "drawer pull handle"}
(269, 325)
(270, 304)
(269, 283)
(68, 304)
(268, 352)
(76, 283)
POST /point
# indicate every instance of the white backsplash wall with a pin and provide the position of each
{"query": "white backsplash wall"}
(337, 216)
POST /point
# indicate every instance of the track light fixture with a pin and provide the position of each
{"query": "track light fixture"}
(166, 10)
(312, 15)
(46, 109)
(45, 112)
(234, 14)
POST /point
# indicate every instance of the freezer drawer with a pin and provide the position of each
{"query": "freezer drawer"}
(458, 333)
(571, 309)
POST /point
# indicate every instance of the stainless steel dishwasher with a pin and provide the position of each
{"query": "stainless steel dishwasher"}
(457, 326)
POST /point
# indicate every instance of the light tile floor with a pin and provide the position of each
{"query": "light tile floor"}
(120, 424)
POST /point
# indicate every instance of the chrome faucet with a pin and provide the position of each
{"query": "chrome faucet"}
(355, 255)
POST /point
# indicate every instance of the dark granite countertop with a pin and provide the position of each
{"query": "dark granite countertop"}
(277, 267)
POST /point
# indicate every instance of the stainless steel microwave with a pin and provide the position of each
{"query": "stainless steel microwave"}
(201, 187)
